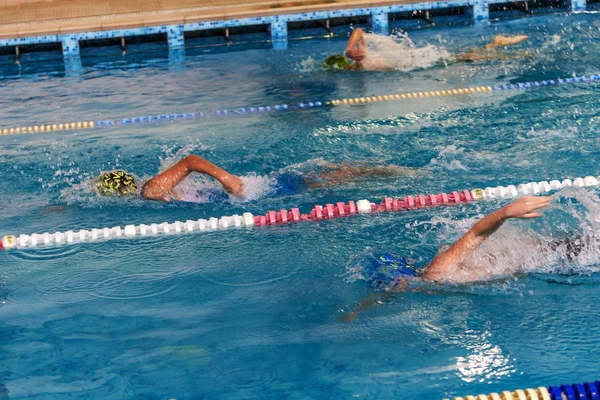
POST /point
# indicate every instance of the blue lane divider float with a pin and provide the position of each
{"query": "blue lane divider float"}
(578, 391)
(56, 127)
(199, 115)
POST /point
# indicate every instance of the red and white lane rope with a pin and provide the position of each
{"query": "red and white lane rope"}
(284, 217)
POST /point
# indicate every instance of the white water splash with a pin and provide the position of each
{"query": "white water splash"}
(562, 245)
(447, 159)
(398, 52)
(563, 241)
(201, 189)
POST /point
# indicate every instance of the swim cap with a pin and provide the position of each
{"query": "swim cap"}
(337, 61)
(386, 268)
(116, 183)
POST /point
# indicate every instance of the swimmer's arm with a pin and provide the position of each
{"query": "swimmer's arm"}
(377, 298)
(161, 186)
(372, 299)
(444, 263)
(339, 174)
(356, 44)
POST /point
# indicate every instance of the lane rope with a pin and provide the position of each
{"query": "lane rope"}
(285, 217)
(578, 391)
(71, 126)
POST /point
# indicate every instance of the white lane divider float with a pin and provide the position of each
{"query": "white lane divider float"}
(284, 217)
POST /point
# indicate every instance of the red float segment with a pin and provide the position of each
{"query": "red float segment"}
(421, 201)
(329, 211)
(409, 202)
(295, 214)
(282, 217)
(467, 196)
(317, 213)
(387, 204)
(454, 197)
(443, 198)
(1, 245)
(432, 198)
(351, 208)
(340, 209)
(271, 217)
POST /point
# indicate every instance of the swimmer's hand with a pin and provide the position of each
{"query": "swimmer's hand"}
(526, 207)
(356, 54)
(233, 185)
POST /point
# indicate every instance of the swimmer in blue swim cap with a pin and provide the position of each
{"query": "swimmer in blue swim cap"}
(356, 58)
(162, 187)
(460, 263)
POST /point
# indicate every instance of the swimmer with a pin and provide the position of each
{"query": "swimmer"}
(357, 50)
(162, 187)
(457, 264)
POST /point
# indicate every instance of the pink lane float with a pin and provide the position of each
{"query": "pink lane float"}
(285, 217)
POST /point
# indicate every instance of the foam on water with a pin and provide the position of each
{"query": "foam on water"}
(200, 189)
(398, 52)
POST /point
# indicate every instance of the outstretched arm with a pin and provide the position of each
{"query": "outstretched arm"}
(161, 186)
(501, 40)
(356, 45)
(372, 299)
(335, 174)
(444, 263)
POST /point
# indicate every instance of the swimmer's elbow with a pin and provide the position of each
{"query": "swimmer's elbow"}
(150, 193)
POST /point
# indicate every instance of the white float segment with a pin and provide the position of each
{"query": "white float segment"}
(363, 206)
(590, 181)
(543, 393)
(519, 395)
(555, 185)
(129, 231)
(544, 186)
(248, 219)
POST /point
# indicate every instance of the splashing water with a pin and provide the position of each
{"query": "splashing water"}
(563, 242)
(309, 65)
(398, 52)
(200, 189)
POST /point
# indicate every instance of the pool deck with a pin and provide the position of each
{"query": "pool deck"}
(69, 21)
(68, 16)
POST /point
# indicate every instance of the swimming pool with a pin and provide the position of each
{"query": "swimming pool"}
(255, 313)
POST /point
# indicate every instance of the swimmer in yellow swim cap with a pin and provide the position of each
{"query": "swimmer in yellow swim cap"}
(116, 183)
(356, 53)
(162, 186)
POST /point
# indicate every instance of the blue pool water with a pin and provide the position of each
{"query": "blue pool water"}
(255, 314)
